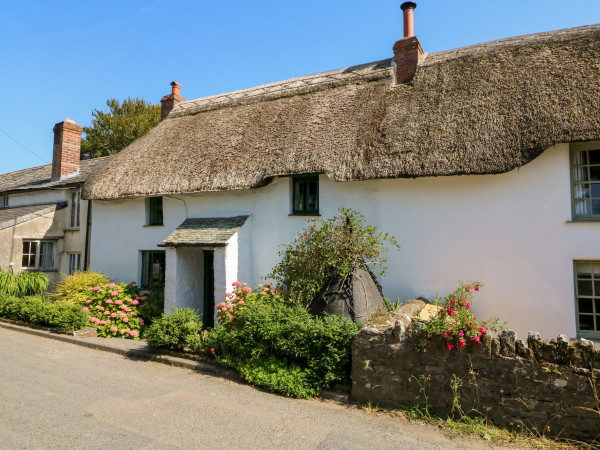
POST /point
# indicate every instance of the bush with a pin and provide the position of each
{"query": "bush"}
(284, 349)
(177, 331)
(113, 309)
(75, 289)
(42, 311)
(23, 284)
(326, 249)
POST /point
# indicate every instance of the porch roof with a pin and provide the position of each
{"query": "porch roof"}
(204, 232)
(13, 216)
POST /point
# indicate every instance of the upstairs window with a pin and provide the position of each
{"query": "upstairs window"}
(3, 201)
(587, 298)
(75, 206)
(155, 211)
(38, 255)
(585, 181)
(305, 195)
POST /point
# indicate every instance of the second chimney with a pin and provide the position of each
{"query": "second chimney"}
(408, 50)
(168, 102)
(66, 151)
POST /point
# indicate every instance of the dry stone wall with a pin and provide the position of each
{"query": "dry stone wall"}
(549, 387)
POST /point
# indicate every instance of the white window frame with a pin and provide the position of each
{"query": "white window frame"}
(74, 261)
(38, 256)
(585, 186)
(75, 209)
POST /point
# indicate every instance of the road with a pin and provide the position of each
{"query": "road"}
(58, 395)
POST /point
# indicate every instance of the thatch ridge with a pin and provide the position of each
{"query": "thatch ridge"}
(483, 109)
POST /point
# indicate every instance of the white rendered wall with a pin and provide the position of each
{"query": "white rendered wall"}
(510, 231)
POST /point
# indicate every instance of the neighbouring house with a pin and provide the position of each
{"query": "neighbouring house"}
(483, 161)
(44, 223)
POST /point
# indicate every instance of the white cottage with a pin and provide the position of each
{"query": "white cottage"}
(484, 163)
(44, 224)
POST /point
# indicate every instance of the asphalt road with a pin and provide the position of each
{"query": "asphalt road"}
(58, 395)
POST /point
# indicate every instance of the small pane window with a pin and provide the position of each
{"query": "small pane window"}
(155, 211)
(38, 255)
(585, 180)
(74, 263)
(305, 195)
(75, 205)
(153, 267)
(587, 298)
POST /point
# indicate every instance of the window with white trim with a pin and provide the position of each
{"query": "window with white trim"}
(587, 298)
(74, 262)
(585, 180)
(38, 254)
(75, 206)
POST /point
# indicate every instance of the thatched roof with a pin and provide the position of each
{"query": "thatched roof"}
(483, 109)
(204, 232)
(40, 177)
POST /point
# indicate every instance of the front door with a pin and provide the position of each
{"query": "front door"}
(208, 313)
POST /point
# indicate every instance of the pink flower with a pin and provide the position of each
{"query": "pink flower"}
(118, 302)
(88, 301)
(135, 302)
(478, 287)
(461, 334)
(86, 309)
(114, 293)
(481, 330)
(109, 301)
(236, 283)
(125, 319)
(229, 294)
(141, 321)
(113, 315)
(106, 313)
(112, 285)
(212, 350)
(220, 305)
(113, 329)
(123, 331)
(476, 339)
(241, 302)
(134, 333)
(468, 306)
(143, 297)
(247, 289)
(449, 346)
(131, 313)
(452, 301)
(96, 288)
(461, 343)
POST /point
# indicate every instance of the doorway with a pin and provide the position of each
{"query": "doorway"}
(208, 313)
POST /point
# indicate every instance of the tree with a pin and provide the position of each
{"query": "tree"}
(115, 129)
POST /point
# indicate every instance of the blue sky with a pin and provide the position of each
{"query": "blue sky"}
(66, 58)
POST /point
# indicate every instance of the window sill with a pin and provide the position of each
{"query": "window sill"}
(153, 226)
(72, 229)
(584, 221)
(315, 214)
(37, 269)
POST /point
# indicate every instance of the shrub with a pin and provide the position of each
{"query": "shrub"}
(328, 248)
(42, 311)
(23, 284)
(242, 295)
(284, 349)
(75, 289)
(113, 309)
(455, 319)
(177, 331)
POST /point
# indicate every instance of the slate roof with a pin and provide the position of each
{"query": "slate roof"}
(37, 178)
(204, 232)
(12, 216)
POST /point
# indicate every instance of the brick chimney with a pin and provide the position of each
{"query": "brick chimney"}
(67, 149)
(168, 102)
(408, 50)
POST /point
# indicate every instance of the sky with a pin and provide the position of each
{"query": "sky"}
(65, 59)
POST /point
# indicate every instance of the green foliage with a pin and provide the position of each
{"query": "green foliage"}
(329, 248)
(115, 129)
(154, 307)
(241, 296)
(23, 284)
(42, 311)
(113, 309)
(284, 349)
(391, 306)
(177, 331)
(75, 289)
(456, 321)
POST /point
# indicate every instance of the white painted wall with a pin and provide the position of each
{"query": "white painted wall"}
(510, 231)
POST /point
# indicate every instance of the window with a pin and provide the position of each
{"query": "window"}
(585, 180)
(587, 298)
(155, 211)
(3, 201)
(38, 255)
(75, 202)
(153, 267)
(74, 262)
(305, 195)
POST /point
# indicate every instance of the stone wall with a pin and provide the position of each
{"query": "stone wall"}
(547, 387)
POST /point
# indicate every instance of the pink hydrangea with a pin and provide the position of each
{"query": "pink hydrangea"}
(141, 321)
(118, 302)
(112, 285)
(96, 288)
(109, 301)
(247, 289)
(125, 319)
(86, 309)
(88, 301)
(236, 283)
(113, 329)
(134, 333)
(106, 313)
(113, 315)
(123, 331)
(135, 302)
(114, 293)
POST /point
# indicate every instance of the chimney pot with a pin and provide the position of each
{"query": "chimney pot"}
(408, 50)
(168, 102)
(409, 22)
